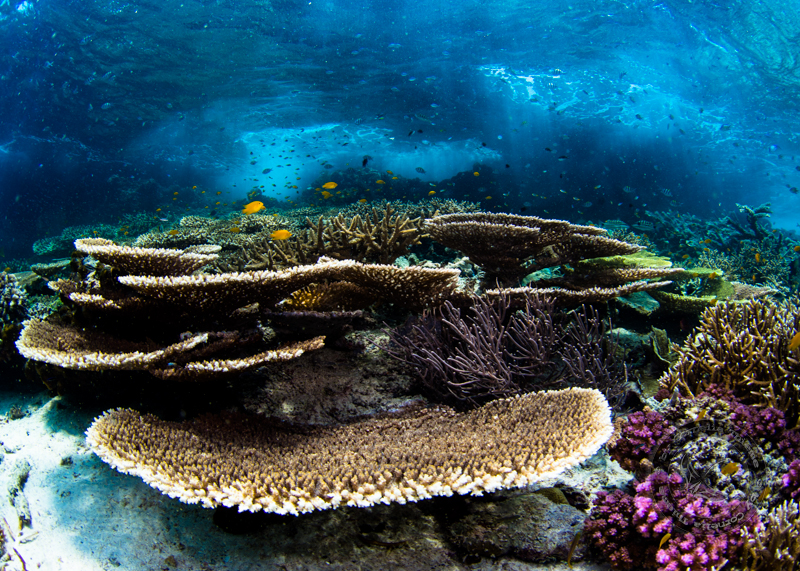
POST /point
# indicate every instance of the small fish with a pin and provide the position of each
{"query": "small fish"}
(330, 185)
(701, 416)
(281, 235)
(327, 166)
(420, 170)
(664, 540)
(253, 207)
(730, 469)
(685, 257)
(326, 195)
(572, 546)
(488, 198)
(666, 192)
(431, 193)
(793, 190)
(758, 258)
(627, 189)
(796, 248)
(266, 171)
(394, 178)
(765, 493)
(713, 276)
(234, 229)
(476, 173)
(795, 342)
(364, 162)
(389, 172)
(362, 200)
(380, 181)
(172, 232)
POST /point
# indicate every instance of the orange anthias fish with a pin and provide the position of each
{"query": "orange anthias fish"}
(253, 207)
(281, 235)
(380, 182)
(330, 185)
(795, 342)
(758, 258)
(730, 469)
(326, 194)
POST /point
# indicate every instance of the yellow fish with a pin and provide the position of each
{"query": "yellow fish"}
(476, 173)
(362, 200)
(394, 178)
(701, 416)
(664, 539)
(730, 469)
(389, 172)
(253, 207)
(281, 235)
(488, 198)
(795, 342)
(380, 182)
(172, 232)
(235, 229)
(758, 258)
(326, 194)
(764, 494)
(796, 248)
(431, 193)
(330, 185)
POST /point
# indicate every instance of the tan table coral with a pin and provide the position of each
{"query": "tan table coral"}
(257, 464)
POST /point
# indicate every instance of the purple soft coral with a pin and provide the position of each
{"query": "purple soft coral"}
(611, 530)
(642, 433)
(704, 532)
(791, 481)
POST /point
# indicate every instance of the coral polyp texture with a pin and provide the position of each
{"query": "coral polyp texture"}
(148, 261)
(744, 348)
(258, 464)
(510, 247)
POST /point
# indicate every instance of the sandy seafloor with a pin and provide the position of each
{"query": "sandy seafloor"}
(86, 516)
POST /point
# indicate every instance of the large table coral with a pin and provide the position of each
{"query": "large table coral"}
(257, 464)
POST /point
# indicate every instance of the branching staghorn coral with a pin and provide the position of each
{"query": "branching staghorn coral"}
(775, 544)
(743, 347)
(378, 237)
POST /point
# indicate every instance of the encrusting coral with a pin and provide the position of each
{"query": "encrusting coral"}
(743, 347)
(257, 464)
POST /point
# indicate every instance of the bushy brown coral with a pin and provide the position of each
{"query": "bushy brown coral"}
(378, 237)
(257, 464)
(743, 347)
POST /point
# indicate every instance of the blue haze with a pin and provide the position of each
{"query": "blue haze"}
(579, 99)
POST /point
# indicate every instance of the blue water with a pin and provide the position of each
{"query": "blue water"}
(566, 102)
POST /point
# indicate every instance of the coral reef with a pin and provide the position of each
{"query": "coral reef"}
(668, 524)
(492, 351)
(509, 247)
(775, 544)
(255, 464)
(638, 437)
(13, 311)
(378, 237)
(743, 347)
